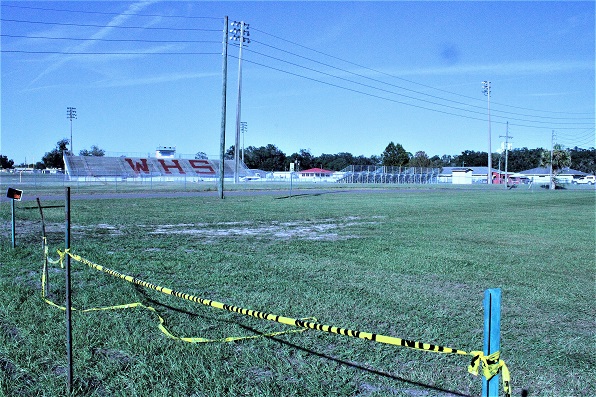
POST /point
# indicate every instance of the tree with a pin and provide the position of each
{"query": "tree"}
(522, 159)
(335, 162)
(395, 155)
(420, 159)
(448, 160)
(201, 156)
(54, 158)
(583, 160)
(266, 158)
(230, 153)
(560, 159)
(375, 160)
(304, 159)
(470, 158)
(5, 162)
(95, 151)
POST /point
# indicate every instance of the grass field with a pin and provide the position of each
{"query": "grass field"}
(411, 263)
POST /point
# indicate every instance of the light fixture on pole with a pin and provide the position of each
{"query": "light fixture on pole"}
(239, 33)
(486, 91)
(71, 113)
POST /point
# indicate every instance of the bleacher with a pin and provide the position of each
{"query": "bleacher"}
(123, 168)
(384, 174)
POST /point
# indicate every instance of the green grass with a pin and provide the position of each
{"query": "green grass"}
(407, 263)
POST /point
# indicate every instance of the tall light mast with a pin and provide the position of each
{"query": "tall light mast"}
(486, 91)
(71, 113)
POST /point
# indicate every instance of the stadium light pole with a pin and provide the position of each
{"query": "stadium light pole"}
(486, 91)
(240, 33)
(71, 113)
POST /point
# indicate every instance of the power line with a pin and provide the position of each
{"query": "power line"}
(404, 88)
(110, 13)
(550, 123)
(394, 100)
(410, 81)
(107, 53)
(109, 26)
(550, 120)
(111, 40)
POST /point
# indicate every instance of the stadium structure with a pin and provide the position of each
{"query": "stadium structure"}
(164, 166)
(387, 174)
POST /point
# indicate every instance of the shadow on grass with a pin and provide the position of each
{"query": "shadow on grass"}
(351, 364)
(306, 194)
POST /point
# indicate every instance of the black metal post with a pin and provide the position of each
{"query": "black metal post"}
(12, 206)
(43, 249)
(68, 295)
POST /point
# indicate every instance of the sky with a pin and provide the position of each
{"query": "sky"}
(328, 77)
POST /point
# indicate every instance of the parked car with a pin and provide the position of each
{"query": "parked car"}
(585, 180)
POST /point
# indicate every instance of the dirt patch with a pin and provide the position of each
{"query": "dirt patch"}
(322, 230)
(117, 356)
(11, 331)
(331, 229)
(17, 379)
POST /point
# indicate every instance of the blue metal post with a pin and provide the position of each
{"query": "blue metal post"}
(492, 336)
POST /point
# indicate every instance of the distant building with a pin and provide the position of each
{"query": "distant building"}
(315, 174)
(165, 152)
(469, 175)
(542, 175)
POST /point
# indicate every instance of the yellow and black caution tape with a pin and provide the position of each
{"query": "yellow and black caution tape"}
(488, 366)
(161, 325)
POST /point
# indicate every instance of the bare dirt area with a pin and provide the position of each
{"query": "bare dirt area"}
(322, 230)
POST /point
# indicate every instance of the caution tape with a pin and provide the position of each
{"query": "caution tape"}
(161, 325)
(488, 366)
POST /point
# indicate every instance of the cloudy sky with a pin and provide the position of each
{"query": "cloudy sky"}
(329, 77)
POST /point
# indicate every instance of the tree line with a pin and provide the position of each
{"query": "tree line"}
(271, 158)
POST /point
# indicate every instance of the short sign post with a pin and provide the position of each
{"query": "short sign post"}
(14, 195)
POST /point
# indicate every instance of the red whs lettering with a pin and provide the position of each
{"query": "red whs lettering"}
(167, 167)
(138, 167)
(202, 166)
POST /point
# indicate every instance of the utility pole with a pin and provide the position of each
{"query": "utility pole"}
(486, 91)
(222, 137)
(239, 33)
(507, 136)
(71, 113)
(552, 147)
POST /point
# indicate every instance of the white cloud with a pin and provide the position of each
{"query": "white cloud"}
(164, 78)
(118, 20)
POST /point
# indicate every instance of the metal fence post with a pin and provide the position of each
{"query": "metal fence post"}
(68, 295)
(492, 336)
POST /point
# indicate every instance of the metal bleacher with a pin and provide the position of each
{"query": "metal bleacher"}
(120, 168)
(385, 174)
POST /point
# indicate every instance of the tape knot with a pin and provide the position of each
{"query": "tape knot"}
(490, 366)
